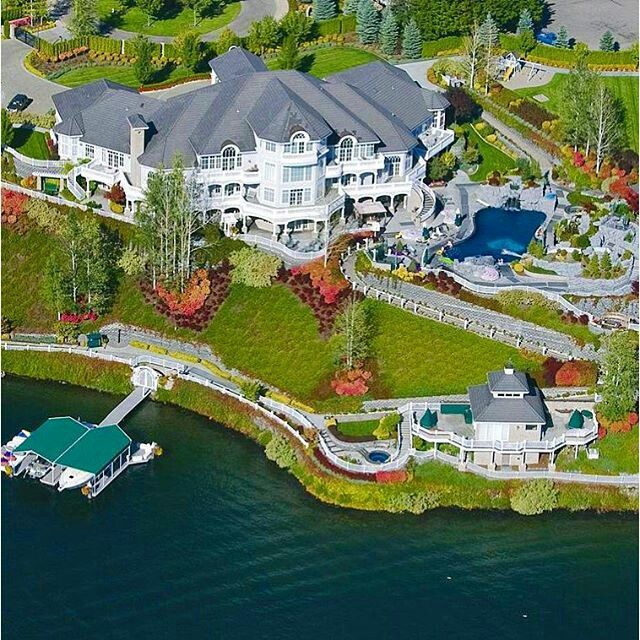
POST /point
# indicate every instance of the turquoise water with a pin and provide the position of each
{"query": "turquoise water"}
(214, 541)
(497, 230)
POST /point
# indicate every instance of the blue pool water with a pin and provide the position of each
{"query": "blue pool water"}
(378, 456)
(497, 230)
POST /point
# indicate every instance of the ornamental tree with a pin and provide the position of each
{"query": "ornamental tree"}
(151, 8)
(143, 51)
(389, 33)
(7, 130)
(353, 334)
(324, 9)
(465, 108)
(411, 40)
(289, 54)
(296, 25)
(280, 451)
(225, 41)
(253, 268)
(525, 23)
(367, 22)
(264, 34)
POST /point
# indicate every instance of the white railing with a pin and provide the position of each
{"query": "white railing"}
(73, 186)
(35, 162)
(65, 348)
(278, 247)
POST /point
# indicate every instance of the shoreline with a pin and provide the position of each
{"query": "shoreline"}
(429, 486)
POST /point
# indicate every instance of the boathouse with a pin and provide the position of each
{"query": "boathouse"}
(67, 452)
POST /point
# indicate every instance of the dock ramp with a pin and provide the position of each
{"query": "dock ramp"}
(126, 406)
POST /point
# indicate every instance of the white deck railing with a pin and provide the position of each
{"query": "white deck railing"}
(278, 247)
(35, 162)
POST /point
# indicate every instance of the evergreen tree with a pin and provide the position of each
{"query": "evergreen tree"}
(143, 51)
(389, 33)
(351, 7)
(563, 38)
(84, 18)
(289, 57)
(367, 22)
(189, 49)
(296, 24)
(264, 34)
(607, 42)
(525, 23)
(411, 40)
(324, 9)
(489, 39)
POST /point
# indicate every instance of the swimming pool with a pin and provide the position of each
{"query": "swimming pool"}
(378, 456)
(497, 230)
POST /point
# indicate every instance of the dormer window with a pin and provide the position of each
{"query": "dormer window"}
(299, 143)
(345, 150)
(230, 158)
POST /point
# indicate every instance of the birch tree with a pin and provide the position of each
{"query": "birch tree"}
(620, 383)
(353, 334)
(473, 54)
(606, 123)
(169, 220)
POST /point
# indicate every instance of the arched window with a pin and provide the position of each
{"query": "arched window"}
(230, 159)
(232, 188)
(298, 142)
(394, 163)
(345, 150)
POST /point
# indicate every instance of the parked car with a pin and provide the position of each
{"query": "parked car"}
(547, 37)
(19, 102)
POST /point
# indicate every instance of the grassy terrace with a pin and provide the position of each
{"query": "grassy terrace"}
(174, 19)
(269, 333)
(30, 143)
(324, 62)
(492, 158)
(625, 88)
(358, 428)
(122, 74)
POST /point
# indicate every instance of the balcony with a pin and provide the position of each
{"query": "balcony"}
(436, 140)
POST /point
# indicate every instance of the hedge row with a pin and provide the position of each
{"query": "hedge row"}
(444, 46)
(173, 83)
(334, 26)
(11, 14)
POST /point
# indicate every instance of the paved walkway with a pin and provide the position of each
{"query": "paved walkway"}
(444, 308)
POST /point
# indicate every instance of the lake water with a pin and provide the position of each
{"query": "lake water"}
(214, 541)
(497, 230)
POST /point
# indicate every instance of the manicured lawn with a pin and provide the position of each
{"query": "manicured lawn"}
(30, 143)
(324, 62)
(623, 87)
(491, 158)
(122, 74)
(174, 19)
(358, 428)
(618, 454)
(418, 357)
(24, 258)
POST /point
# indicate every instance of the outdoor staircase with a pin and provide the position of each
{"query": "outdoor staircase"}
(73, 186)
(428, 199)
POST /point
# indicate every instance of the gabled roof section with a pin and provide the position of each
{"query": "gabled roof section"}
(391, 88)
(53, 437)
(95, 449)
(75, 100)
(236, 62)
(278, 113)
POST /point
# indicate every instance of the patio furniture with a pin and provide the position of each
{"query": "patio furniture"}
(576, 421)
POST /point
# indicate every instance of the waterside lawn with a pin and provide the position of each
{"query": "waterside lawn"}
(270, 334)
(174, 19)
(625, 88)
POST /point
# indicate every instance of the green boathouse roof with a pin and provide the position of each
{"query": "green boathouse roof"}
(69, 443)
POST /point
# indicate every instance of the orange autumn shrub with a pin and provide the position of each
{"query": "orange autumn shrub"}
(577, 373)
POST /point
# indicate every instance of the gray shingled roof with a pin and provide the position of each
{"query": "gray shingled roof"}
(526, 410)
(236, 62)
(501, 381)
(99, 112)
(374, 103)
(393, 89)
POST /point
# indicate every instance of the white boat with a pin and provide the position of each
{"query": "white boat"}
(144, 453)
(73, 478)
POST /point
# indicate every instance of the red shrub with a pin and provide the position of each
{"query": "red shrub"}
(550, 368)
(602, 432)
(389, 477)
(77, 318)
(116, 194)
(633, 418)
(351, 383)
(577, 373)
(13, 204)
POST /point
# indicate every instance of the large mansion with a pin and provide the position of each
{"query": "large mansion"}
(281, 150)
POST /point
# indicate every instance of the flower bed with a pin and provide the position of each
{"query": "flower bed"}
(194, 308)
(174, 83)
